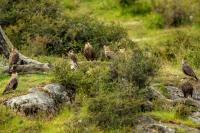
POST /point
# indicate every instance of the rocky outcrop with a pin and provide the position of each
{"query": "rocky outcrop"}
(146, 124)
(43, 100)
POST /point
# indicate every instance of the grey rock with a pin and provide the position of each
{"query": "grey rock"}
(58, 92)
(174, 92)
(39, 100)
(154, 128)
(144, 119)
(196, 117)
(32, 103)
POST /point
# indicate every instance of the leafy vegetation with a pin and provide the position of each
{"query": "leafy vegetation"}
(152, 55)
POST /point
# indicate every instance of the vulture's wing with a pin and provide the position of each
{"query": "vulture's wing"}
(12, 85)
(15, 58)
(188, 71)
(73, 57)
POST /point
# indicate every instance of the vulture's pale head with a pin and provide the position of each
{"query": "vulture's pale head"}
(184, 61)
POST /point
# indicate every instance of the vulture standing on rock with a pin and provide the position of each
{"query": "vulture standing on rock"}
(73, 60)
(188, 70)
(13, 83)
(187, 89)
(13, 58)
(89, 52)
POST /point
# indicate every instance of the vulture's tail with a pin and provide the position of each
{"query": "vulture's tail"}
(196, 78)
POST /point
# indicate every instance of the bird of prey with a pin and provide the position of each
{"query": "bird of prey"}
(13, 58)
(188, 70)
(73, 60)
(187, 89)
(89, 52)
(13, 83)
(108, 53)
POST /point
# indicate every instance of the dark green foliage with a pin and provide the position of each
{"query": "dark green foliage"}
(116, 109)
(177, 12)
(136, 7)
(178, 45)
(139, 68)
(45, 28)
(182, 111)
(63, 74)
(88, 79)
(75, 32)
(154, 20)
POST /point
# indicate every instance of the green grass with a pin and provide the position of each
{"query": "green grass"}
(170, 116)
(26, 82)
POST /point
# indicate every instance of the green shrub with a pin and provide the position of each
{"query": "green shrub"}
(78, 30)
(115, 109)
(64, 75)
(136, 7)
(58, 33)
(176, 12)
(194, 57)
(178, 45)
(154, 20)
(139, 68)
(182, 111)
(90, 78)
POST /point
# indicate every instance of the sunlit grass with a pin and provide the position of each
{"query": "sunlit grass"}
(170, 116)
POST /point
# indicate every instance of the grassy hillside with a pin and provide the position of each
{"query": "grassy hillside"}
(102, 105)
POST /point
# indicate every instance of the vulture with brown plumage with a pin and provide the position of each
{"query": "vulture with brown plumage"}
(187, 89)
(89, 52)
(73, 60)
(109, 54)
(188, 70)
(13, 83)
(13, 58)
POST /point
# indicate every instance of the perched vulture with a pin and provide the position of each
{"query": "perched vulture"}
(73, 60)
(188, 70)
(187, 89)
(13, 58)
(89, 52)
(13, 83)
(108, 53)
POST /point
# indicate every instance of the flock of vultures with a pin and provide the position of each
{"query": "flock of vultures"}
(90, 55)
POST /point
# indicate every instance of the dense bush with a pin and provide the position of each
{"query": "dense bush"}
(139, 68)
(178, 45)
(136, 7)
(65, 76)
(75, 32)
(182, 111)
(89, 79)
(177, 12)
(46, 28)
(116, 109)
(154, 21)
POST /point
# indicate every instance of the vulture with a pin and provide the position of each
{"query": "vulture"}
(188, 70)
(73, 60)
(13, 58)
(187, 89)
(108, 53)
(13, 83)
(89, 52)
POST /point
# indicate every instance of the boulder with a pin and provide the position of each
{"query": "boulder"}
(45, 100)
(154, 128)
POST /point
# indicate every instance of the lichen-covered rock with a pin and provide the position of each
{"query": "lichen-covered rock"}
(174, 92)
(58, 92)
(154, 128)
(32, 103)
(196, 117)
(43, 100)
